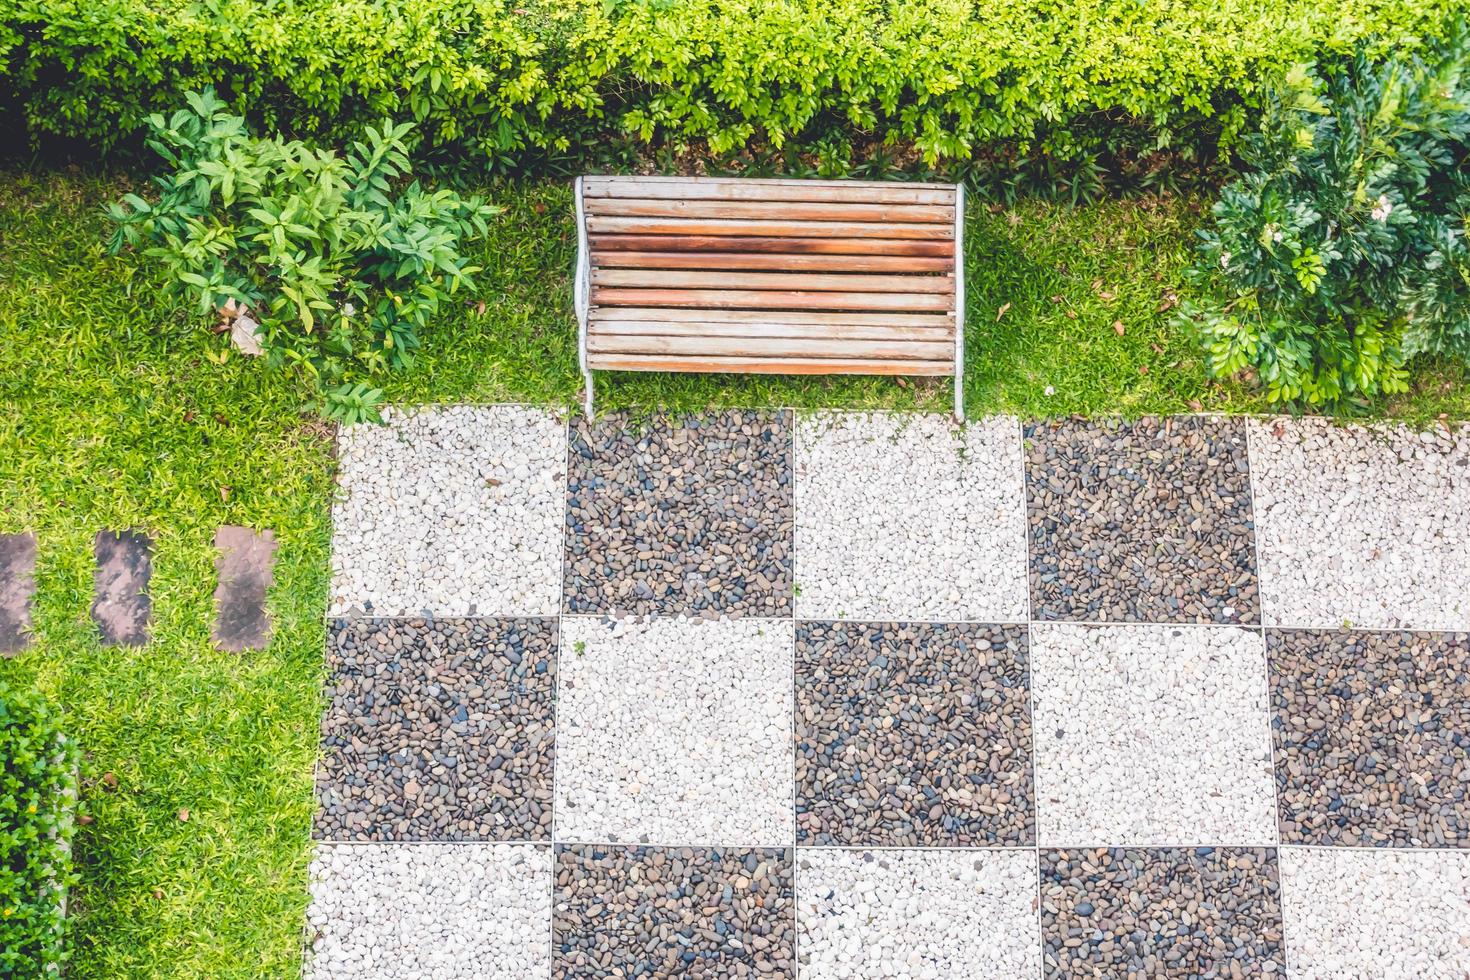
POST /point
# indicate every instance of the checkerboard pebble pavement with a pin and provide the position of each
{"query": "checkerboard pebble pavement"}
(757, 694)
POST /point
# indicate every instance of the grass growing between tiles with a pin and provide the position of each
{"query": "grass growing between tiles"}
(119, 414)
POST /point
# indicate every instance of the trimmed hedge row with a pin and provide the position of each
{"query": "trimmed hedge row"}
(515, 80)
(38, 792)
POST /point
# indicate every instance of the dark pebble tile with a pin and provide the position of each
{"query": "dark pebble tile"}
(680, 516)
(17, 586)
(703, 912)
(1161, 912)
(438, 730)
(1146, 521)
(913, 734)
(121, 606)
(1372, 736)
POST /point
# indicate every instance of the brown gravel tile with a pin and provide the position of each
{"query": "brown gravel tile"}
(1372, 734)
(913, 734)
(438, 730)
(689, 515)
(1146, 521)
(1161, 912)
(637, 911)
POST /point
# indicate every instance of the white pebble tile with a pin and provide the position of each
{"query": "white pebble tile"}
(389, 911)
(904, 516)
(1368, 527)
(917, 914)
(1151, 735)
(1385, 914)
(457, 511)
(675, 731)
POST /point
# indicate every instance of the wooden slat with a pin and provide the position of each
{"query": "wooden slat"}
(808, 281)
(772, 210)
(749, 365)
(741, 189)
(808, 331)
(769, 243)
(777, 228)
(609, 314)
(774, 262)
(769, 299)
(765, 347)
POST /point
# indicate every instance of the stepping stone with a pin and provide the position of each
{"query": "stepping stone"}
(122, 607)
(244, 570)
(17, 585)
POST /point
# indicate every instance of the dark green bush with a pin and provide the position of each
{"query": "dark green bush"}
(325, 263)
(37, 803)
(538, 80)
(1341, 253)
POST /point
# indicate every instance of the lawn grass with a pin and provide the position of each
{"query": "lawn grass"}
(116, 416)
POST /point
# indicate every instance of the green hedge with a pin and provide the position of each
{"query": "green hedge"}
(38, 794)
(545, 78)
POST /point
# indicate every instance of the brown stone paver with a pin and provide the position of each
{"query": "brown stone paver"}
(245, 572)
(17, 586)
(121, 606)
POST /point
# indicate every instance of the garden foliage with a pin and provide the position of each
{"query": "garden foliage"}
(338, 258)
(514, 81)
(1341, 253)
(38, 794)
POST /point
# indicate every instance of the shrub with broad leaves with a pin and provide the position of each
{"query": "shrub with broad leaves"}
(327, 263)
(1341, 254)
(38, 799)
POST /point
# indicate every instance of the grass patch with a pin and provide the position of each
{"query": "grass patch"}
(114, 418)
(117, 418)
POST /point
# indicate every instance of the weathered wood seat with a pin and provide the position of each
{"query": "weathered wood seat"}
(770, 277)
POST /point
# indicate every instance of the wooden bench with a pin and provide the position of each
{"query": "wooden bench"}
(770, 277)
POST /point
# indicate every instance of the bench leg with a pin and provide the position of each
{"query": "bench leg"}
(959, 398)
(587, 388)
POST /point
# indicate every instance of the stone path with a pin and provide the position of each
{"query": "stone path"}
(866, 695)
(122, 606)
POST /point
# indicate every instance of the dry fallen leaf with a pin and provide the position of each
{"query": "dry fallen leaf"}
(1071, 314)
(1056, 299)
(184, 815)
(480, 308)
(1118, 328)
(1143, 369)
(245, 335)
(85, 819)
(1105, 296)
(158, 894)
(109, 780)
(1001, 312)
(902, 382)
(1195, 404)
(224, 494)
(1157, 348)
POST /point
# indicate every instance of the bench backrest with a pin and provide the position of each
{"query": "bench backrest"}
(770, 276)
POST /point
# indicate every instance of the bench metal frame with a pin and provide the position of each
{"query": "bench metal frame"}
(582, 288)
